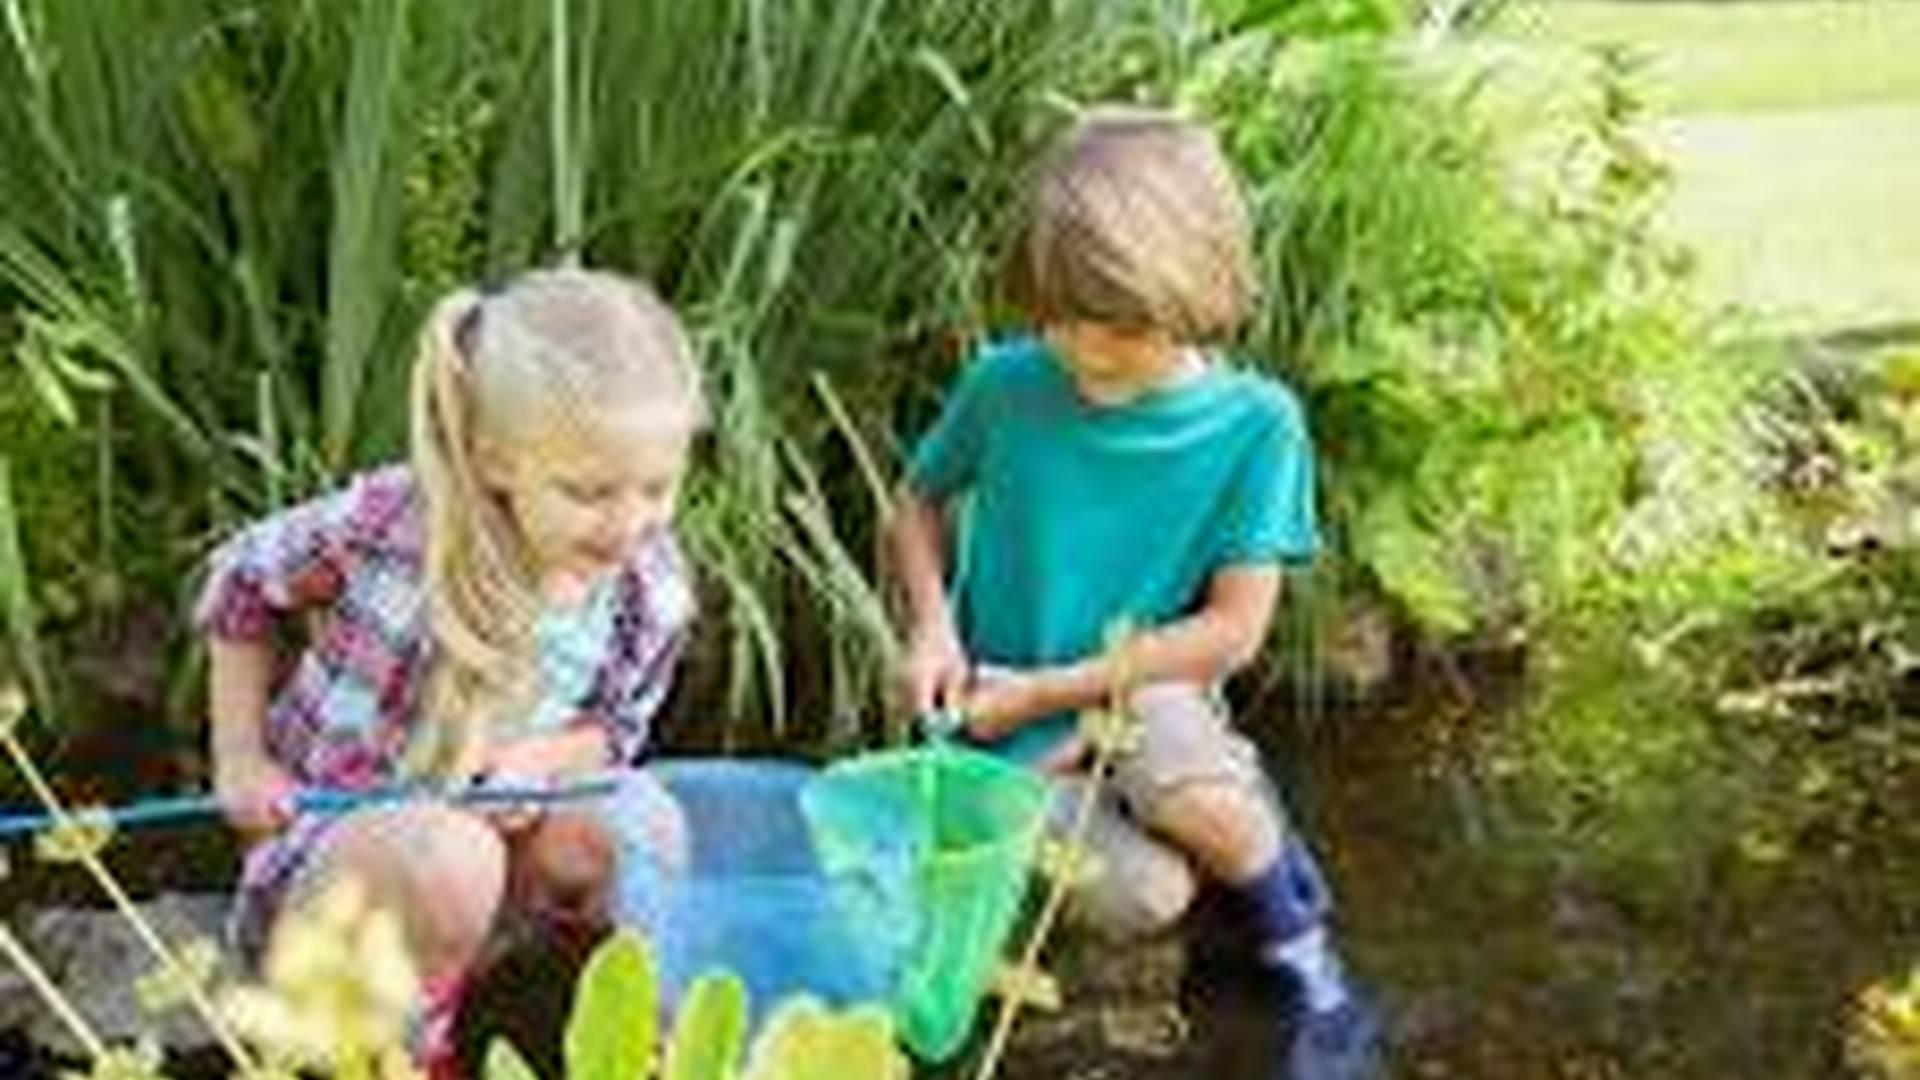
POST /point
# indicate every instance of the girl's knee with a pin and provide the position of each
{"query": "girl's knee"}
(564, 864)
(443, 871)
(457, 880)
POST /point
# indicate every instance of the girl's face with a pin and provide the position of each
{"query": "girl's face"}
(584, 496)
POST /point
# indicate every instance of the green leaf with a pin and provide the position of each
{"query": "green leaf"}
(710, 1031)
(505, 1063)
(36, 359)
(611, 1034)
(936, 64)
(1413, 566)
(363, 250)
(16, 598)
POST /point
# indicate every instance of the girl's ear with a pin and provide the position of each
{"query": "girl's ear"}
(492, 465)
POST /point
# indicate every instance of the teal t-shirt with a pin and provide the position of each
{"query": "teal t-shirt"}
(1073, 515)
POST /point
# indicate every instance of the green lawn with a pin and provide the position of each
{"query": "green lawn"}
(1793, 127)
(1810, 216)
(1748, 57)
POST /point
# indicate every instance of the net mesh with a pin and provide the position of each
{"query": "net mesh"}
(892, 877)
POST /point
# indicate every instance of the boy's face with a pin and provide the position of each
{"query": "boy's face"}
(1106, 358)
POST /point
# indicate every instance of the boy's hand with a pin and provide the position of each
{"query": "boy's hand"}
(255, 793)
(934, 671)
(1001, 700)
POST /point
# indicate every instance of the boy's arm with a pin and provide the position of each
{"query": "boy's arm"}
(917, 539)
(935, 664)
(1210, 644)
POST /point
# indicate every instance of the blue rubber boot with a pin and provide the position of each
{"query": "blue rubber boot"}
(1341, 1043)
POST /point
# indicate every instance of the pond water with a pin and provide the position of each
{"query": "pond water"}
(1490, 968)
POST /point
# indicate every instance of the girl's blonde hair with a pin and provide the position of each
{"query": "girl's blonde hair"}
(1134, 218)
(500, 369)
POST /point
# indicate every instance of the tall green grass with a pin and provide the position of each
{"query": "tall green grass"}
(237, 212)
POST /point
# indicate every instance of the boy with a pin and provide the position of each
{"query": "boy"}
(1115, 469)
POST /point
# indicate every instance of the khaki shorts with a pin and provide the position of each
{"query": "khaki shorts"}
(1145, 883)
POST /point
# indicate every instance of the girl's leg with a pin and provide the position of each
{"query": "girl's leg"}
(606, 860)
(649, 832)
(442, 870)
(562, 870)
(445, 872)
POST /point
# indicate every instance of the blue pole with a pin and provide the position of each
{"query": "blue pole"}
(188, 808)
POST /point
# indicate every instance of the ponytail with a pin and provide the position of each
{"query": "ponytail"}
(478, 601)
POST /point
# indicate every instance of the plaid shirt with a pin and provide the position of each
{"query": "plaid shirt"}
(342, 718)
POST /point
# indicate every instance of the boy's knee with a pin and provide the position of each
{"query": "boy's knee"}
(1187, 737)
(1134, 901)
(1198, 782)
(1231, 830)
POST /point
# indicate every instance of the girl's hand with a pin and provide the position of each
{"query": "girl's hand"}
(535, 761)
(505, 769)
(255, 793)
(934, 671)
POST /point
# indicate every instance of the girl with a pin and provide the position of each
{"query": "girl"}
(507, 605)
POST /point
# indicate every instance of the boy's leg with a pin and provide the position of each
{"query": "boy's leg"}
(1199, 784)
(1143, 885)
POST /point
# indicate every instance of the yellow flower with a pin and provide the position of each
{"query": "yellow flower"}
(1885, 1040)
(340, 988)
(141, 1062)
(84, 834)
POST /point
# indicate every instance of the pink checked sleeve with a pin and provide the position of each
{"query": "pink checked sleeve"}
(296, 559)
(651, 628)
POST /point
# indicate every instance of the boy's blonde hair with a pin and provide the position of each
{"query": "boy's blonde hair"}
(1134, 218)
(501, 369)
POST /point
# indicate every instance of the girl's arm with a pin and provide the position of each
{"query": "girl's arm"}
(291, 562)
(934, 667)
(579, 749)
(252, 788)
(1204, 647)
